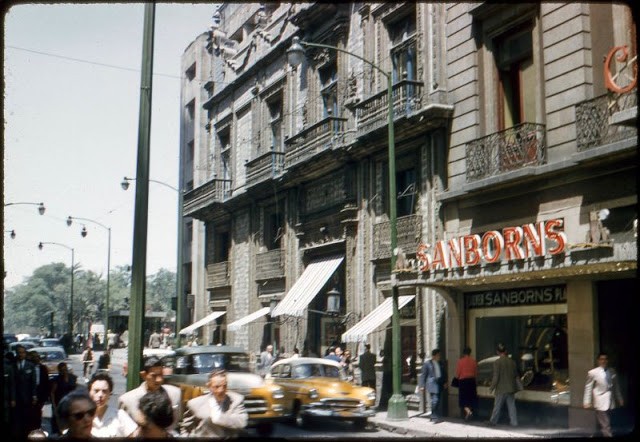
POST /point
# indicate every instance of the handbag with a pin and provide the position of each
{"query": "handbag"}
(455, 382)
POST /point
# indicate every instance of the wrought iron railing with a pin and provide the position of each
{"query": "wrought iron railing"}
(592, 119)
(264, 167)
(373, 112)
(218, 275)
(270, 264)
(214, 191)
(321, 136)
(510, 149)
(409, 232)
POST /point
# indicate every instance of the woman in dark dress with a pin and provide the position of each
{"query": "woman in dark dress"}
(467, 372)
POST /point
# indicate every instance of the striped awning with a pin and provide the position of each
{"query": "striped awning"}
(314, 277)
(369, 323)
(235, 325)
(204, 321)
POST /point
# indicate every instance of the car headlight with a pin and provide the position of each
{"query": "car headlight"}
(277, 393)
(313, 393)
(371, 395)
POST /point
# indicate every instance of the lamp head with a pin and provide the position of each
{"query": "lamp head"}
(84, 231)
(40, 246)
(295, 53)
(333, 302)
(69, 220)
(13, 234)
(273, 304)
(41, 208)
(125, 183)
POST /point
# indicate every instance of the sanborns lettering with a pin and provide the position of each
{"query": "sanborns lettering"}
(513, 243)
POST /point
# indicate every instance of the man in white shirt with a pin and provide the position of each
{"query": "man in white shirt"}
(108, 421)
(219, 413)
(601, 392)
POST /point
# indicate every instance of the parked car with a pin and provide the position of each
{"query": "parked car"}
(263, 401)
(159, 352)
(26, 344)
(8, 338)
(318, 388)
(50, 342)
(51, 357)
(31, 339)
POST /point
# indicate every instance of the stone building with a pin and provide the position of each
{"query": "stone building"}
(515, 177)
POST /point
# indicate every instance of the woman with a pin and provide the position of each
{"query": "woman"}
(76, 411)
(348, 364)
(87, 362)
(467, 372)
(108, 421)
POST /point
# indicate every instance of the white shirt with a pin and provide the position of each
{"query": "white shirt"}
(436, 369)
(216, 411)
(115, 423)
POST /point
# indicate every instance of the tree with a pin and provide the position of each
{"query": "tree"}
(161, 286)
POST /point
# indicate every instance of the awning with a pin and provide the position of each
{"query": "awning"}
(369, 323)
(307, 287)
(204, 321)
(235, 325)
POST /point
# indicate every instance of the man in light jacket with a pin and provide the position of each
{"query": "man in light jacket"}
(219, 413)
(504, 385)
(601, 392)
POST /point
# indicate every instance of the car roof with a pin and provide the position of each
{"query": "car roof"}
(208, 349)
(298, 361)
(47, 349)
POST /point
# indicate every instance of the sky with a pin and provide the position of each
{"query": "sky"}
(71, 109)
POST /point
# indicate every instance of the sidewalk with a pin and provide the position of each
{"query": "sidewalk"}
(419, 425)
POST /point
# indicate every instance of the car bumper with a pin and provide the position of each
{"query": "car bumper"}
(312, 411)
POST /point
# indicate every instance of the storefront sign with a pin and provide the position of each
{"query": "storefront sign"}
(516, 297)
(512, 243)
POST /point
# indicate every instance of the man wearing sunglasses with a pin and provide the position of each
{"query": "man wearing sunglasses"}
(76, 411)
(152, 380)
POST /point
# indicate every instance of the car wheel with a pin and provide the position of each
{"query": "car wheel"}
(360, 424)
(264, 430)
(302, 420)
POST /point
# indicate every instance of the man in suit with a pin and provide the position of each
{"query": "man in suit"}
(219, 413)
(153, 380)
(505, 387)
(367, 364)
(25, 394)
(433, 377)
(601, 392)
(43, 388)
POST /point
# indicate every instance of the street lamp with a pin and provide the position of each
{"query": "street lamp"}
(397, 409)
(180, 301)
(41, 207)
(84, 234)
(12, 233)
(41, 246)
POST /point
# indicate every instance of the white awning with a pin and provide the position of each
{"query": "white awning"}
(235, 325)
(369, 323)
(204, 321)
(307, 287)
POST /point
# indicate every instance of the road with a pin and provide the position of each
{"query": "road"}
(316, 430)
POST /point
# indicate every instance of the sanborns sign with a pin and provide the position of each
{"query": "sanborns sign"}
(512, 243)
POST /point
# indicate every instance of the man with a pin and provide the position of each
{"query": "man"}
(505, 387)
(43, 388)
(367, 364)
(108, 421)
(153, 379)
(155, 340)
(602, 392)
(333, 354)
(25, 394)
(219, 413)
(62, 385)
(433, 378)
(266, 359)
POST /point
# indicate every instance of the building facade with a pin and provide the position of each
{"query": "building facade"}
(515, 178)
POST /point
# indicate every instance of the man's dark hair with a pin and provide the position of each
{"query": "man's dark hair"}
(435, 351)
(101, 376)
(150, 362)
(501, 348)
(156, 408)
(466, 351)
(367, 346)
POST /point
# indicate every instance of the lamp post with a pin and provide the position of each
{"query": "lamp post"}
(397, 409)
(180, 301)
(41, 207)
(41, 246)
(84, 234)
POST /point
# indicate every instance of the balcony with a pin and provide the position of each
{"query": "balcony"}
(218, 275)
(319, 137)
(596, 118)
(409, 230)
(265, 167)
(270, 265)
(198, 199)
(507, 150)
(372, 113)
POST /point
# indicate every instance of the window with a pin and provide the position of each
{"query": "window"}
(221, 247)
(516, 70)
(406, 189)
(274, 105)
(328, 89)
(224, 140)
(402, 35)
(191, 72)
(273, 228)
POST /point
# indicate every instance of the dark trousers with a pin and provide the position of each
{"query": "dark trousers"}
(435, 405)
(369, 383)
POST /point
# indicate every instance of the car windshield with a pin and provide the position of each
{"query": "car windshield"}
(206, 362)
(52, 355)
(316, 370)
